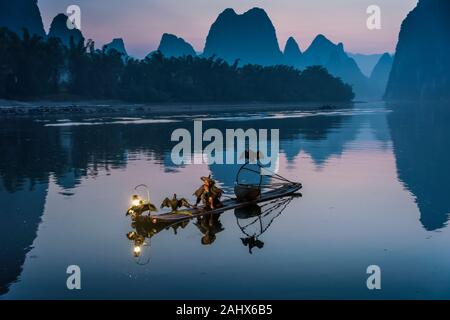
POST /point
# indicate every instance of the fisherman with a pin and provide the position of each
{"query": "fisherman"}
(209, 194)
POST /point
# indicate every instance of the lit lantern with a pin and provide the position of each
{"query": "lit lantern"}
(137, 251)
(135, 200)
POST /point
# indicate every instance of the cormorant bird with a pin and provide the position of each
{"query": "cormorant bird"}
(175, 203)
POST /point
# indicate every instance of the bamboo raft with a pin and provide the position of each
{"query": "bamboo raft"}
(284, 190)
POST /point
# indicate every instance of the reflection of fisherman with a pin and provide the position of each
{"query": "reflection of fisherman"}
(209, 194)
(209, 225)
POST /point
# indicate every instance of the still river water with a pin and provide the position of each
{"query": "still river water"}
(375, 193)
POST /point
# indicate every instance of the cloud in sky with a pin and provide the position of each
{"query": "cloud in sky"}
(142, 22)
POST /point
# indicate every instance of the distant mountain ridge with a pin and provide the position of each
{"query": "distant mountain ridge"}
(173, 46)
(421, 67)
(249, 37)
(380, 73)
(58, 29)
(292, 53)
(118, 45)
(333, 57)
(27, 10)
(366, 62)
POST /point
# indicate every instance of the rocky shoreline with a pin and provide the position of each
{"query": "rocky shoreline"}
(17, 108)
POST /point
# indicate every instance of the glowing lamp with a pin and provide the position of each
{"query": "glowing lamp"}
(135, 200)
(137, 251)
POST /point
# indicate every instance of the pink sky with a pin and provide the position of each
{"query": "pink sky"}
(142, 22)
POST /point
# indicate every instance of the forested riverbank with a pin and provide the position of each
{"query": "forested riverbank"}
(33, 68)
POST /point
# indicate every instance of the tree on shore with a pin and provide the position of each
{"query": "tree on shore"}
(32, 67)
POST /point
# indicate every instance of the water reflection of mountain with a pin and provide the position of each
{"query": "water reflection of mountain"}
(24, 171)
(420, 136)
(318, 136)
(70, 153)
(20, 216)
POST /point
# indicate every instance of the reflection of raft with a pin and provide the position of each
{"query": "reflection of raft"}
(250, 211)
(246, 192)
(283, 190)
